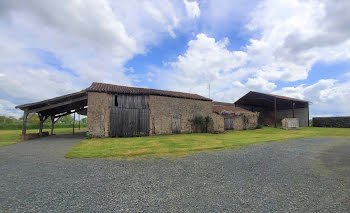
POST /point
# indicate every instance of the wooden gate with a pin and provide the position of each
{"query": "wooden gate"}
(129, 116)
(176, 124)
(228, 123)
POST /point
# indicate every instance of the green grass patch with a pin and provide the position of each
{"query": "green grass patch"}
(184, 144)
(8, 137)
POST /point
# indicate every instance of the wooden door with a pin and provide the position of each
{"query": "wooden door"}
(129, 116)
(176, 124)
(228, 123)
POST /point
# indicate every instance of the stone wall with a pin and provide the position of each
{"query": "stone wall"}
(267, 118)
(244, 121)
(218, 122)
(98, 114)
(162, 108)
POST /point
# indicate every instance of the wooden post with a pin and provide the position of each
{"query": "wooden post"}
(308, 114)
(293, 110)
(79, 120)
(24, 126)
(73, 122)
(275, 113)
(52, 123)
(41, 124)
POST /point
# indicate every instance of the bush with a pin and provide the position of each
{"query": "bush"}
(201, 124)
(339, 122)
(259, 126)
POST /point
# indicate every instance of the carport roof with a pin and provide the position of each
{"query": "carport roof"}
(258, 99)
(62, 104)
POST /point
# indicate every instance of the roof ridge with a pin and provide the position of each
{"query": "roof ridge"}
(114, 88)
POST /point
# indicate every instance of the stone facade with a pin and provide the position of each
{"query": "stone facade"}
(98, 114)
(161, 112)
(218, 122)
(243, 121)
(162, 108)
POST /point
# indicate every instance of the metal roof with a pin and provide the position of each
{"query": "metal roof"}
(258, 99)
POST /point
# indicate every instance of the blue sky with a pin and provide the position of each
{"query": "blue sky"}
(297, 48)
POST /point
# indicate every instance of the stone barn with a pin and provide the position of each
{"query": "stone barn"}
(116, 111)
(274, 108)
(120, 111)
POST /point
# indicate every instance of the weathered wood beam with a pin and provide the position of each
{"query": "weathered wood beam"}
(42, 119)
(24, 126)
(58, 110)
(308, 115)
(275, 120)
(52, 123)
(57, 105)
(73, 122)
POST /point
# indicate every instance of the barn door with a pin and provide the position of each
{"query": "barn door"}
(129, 116)
(176, 124)
(228, 123)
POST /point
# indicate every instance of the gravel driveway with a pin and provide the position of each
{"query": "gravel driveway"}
(308, 175)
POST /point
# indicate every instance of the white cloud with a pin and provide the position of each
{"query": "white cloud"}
(87, 40)
(206, 61)
(289, 38)
(327, 95)
(294, 35)
(8, 108)
(192, 9)
(260, 84)
(35, 84)
(93, 40)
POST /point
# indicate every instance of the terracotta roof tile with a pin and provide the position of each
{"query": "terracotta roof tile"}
(111, 88)
(220, 107)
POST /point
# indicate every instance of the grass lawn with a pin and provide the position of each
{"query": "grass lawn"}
(184, 144)
(8, 137)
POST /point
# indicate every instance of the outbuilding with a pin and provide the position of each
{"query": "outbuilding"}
(274, 108)
(121, 111)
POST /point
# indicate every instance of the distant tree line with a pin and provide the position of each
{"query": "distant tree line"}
(9, 122)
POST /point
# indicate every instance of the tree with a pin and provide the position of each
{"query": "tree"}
(67, 119)
(83, 120)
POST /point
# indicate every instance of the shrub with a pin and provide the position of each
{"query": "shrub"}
(201, 124)
(339, 122)
(259, 126)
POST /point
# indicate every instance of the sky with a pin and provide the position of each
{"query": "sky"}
(296, 48)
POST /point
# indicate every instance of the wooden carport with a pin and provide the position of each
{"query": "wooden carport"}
(55, 108)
